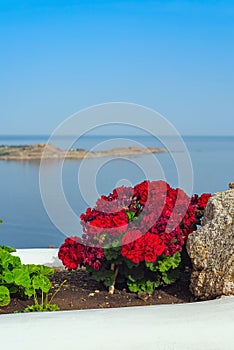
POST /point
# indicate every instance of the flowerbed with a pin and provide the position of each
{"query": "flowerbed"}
(81, 292)
(135, 236)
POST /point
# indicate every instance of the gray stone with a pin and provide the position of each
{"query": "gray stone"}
(211, 249)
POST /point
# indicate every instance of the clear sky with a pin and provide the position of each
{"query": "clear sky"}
(58, 56)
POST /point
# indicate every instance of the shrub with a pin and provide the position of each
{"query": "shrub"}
(135, 235)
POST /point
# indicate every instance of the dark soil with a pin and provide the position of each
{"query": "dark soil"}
(81, 292)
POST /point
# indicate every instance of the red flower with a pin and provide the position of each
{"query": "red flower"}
(141, 247)
(202, 201)
(119, 198)
(129, 248)
(153, 247)
(71, 252)
(148, 220)
(141, 192)
(97, 265)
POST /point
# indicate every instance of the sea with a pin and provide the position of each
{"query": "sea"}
(42, 214)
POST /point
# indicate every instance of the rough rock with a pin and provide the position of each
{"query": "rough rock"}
(211, 249)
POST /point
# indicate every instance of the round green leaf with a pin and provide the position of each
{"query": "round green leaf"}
(4, 296)
(21, 278)
(41, 282)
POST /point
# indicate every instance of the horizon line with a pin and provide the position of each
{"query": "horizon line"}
(114, 135)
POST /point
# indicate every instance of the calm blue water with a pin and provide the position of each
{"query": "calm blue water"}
(26, 223)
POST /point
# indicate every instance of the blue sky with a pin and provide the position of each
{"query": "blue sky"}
(63, 55)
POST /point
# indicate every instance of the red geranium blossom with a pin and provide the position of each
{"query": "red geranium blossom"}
(202, 200)
(141, 247)
(147, 221)
(71, 252)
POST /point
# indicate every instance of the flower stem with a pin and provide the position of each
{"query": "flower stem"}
(112, 287)
(57, 290)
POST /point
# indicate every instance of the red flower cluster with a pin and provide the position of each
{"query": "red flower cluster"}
(147, 221)
(141, 247)
(96, 222)
(73, 253)
(202, 201)
(199, 205)
(167, 214)
(118, 199)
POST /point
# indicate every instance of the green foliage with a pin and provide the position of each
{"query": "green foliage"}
(165, 263)
(146, 277)
(29, 280)
(104, 275)
(130, 264)
(38, 270)
(131, 215)
(112, 254)
(4, 296)
(143, 286)
(170, 277)
(139, 278)
(43, 284)
(42, 308)
(8, 249)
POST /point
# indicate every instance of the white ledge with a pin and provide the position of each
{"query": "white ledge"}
(196, 326)
(48, 257)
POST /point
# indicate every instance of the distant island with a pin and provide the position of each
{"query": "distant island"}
(35, 152)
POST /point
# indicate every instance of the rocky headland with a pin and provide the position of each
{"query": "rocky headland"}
(36, 152)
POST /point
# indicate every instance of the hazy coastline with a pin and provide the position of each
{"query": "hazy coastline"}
(36, 152)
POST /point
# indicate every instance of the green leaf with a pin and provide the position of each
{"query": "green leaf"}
(46, 270)
(131, 279)
(130, 264)
(8, 277)
(8, 249)
(104, 275)
(133, 287)
(112, 253)
(131, 215)
(5, 258)
(21, 278)
(108, 278)
(41, 282)
(8, 261)
(169, 262)
(29, 291)
(158, 282)
(170, 277)
(151, 266)
(149, 286)
(4, 296)
(32, 269)
(116, 244)
(42, 308)
(142, 286)
(15, 261)
(51, 307)
(34, 308)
